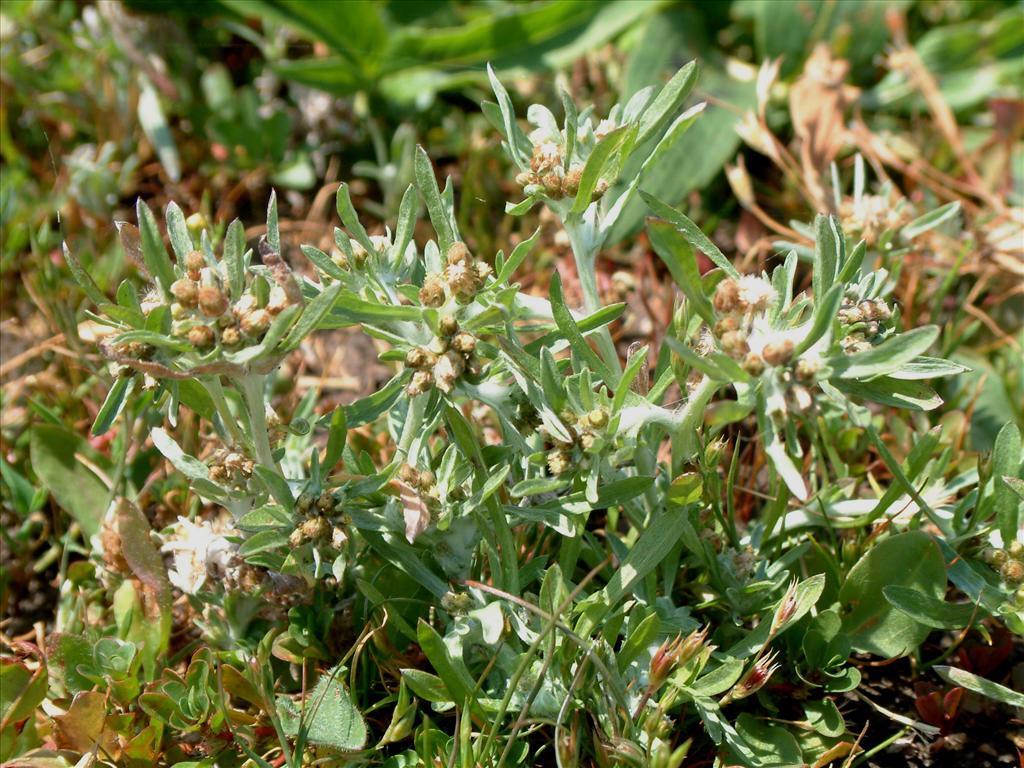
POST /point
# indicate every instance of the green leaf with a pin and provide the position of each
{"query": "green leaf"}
(674, 250)
(189, 466)
(825, 311)
(650, 550)
(980, 685)
(153, 122)
(367, 409)
(234, 252)
(273, 230)
(930, 220)
(426, 182)
(154, 254)
(598, 162)
(829, 252)
(351, 307)
(572, 333)
(83, 278)
(891, 355)
(350, 218)
(276, 485)
(323, 262)
(937, 614)
(54, 452)
(329, 718)
(311, 316)
(668, 102)
(690, 231)
(910, 560)
(1006, 462)
(427, 686)
(453, 672)
(177, 230)
(519, 253)
(113, 404)
(889, 391)
(928, 368)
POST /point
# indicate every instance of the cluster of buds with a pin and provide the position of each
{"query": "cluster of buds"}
(673, 654)
(359, 254)
(584, 431)
(230, 469)
(739, 304)
(743, 561)
(316, 527)
(548, 174)
(867, 319)
(463, 276)
(203, 313)
(1009, 562)
(753, 680)
(451, 354)
(424, 482)
(871, 215)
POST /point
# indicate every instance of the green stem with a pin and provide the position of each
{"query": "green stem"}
(691, 417)
(252, 392)
(585, 255)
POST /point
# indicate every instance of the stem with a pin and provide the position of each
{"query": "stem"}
(216, 391)
(585, 255)
(252, 392)
(690, 418)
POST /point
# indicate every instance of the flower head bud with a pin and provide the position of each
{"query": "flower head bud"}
(432, 292)
(483, 270)
(194, 262)
(806, 369)
(546, 157)
(421, 382)
(315, 528)
(212, 301)
(1012, 571)
(459, 254)
(200, 336)
(558, 463)
(754, 680)
(448, 325)
(726, 324)
(734, 344)
(325, 502)
(994, 557)
(418, 357)
(571, 182)
(256, 322)
(753, 364)
(552, 184)
(727, 296)
(426, 479)
(755, 294)
(525, 178)
(598, 417)
(464, 342)
(463, 280)
(1015, 549)
(786, 609)
(278, 300)
(447, 370)
(304, 503)
(778, 353)
(739, 180)
(231, 336)
(186, 292)
(599, 189)
(178, 312)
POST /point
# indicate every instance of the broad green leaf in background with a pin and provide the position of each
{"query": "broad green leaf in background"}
(328, 717)
(911, 560)
(62, 461)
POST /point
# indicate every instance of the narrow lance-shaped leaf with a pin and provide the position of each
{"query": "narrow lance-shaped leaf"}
(691, 232)
(154, 254)
(427, 185)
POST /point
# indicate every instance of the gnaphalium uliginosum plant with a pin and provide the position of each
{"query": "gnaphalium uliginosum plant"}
(500, 413)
